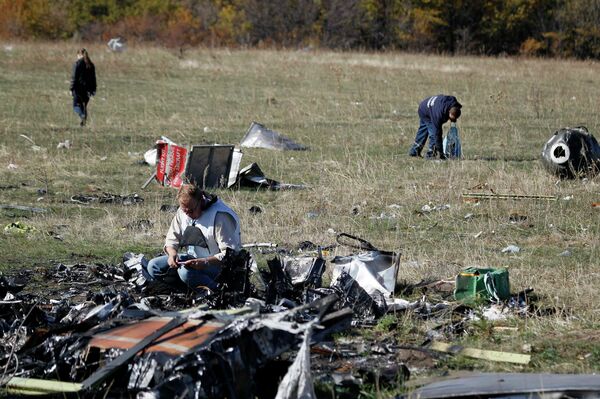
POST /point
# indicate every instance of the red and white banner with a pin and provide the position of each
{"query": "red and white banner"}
(170, 167)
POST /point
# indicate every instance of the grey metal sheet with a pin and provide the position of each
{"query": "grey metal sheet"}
(511, 385)
(209, 166)
(258, 136)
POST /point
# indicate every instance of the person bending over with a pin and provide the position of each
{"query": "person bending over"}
(433, 113)
(206, 227)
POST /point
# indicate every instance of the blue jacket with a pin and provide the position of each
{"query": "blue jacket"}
(436, 109)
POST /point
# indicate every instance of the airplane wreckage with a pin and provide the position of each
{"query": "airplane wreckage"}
(572, 153)
(147, 338)
(254, 336)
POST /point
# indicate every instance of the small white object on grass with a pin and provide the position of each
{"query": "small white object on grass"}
(150, 156)
(511, 249)
(65, 144)
(116, 45)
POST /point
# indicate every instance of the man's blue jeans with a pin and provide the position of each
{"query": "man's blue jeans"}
(426, 130)
(158, 269)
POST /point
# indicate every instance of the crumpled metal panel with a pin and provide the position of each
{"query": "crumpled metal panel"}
(366, 281)
(252, 176)
(374, 271)
(571, 153)
(304, 270)
(259, 136)
(176, 342)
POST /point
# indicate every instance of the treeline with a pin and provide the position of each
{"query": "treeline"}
(564, 28)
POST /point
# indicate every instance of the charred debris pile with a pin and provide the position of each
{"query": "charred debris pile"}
(103, 330)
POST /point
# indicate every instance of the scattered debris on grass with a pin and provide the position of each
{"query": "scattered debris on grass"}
(105, 328)
(474, 284)
(64, 144)
(494, 356)
(108, 198)
(511, 249)
(475, 197)
(19, 228)
(427, 208)
(253, 177)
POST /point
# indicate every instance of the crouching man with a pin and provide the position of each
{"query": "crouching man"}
(207, 228)
(433, 112)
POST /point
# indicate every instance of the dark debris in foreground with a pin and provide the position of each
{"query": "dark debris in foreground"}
(88, 325)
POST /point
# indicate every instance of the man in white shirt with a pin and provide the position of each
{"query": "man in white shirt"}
(206, 227)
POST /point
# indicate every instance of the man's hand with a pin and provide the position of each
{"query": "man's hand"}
(195, 264)
(172, 261)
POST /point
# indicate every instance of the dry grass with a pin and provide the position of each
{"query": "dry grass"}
(357, 112)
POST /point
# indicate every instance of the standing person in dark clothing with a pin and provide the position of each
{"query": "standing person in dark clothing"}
(83, 84)
(433, 113)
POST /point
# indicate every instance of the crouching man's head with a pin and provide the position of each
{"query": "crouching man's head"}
(193, 200)
(454, 114)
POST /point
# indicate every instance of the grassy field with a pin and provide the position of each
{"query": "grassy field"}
(357, 113)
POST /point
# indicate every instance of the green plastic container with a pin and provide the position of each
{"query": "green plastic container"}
(473, 284)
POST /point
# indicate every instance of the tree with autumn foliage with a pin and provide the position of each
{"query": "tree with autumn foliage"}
(565, 28)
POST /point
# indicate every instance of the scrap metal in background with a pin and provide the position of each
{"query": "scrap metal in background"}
(213, 166)
(258, 136)
(572, 153)
(208, 166)
(253, 177)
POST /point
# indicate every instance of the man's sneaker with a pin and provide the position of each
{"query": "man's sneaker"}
(414, 152)
(83, 121)
(434, 156)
